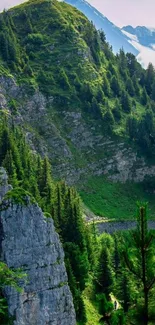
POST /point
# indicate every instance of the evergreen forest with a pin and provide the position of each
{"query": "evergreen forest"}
(50, 48)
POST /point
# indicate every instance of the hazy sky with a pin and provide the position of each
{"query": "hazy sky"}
(127, 12)
(120, 12)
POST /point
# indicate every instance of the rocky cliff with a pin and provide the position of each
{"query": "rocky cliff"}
(61, 88)
(76, 148)
(28, 241)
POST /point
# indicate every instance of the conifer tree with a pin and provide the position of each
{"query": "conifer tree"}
(125, 102)
(130, 87)
(8, 163)
(117, 110)
(59, 211)
(149, 78)
(115, 86)
(45, 184)
(144, 97)
(5, 144)
(136, 85)
(139, 260)
(106, 86)
(104, 280)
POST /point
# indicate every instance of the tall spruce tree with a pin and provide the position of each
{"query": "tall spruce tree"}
(139, 260)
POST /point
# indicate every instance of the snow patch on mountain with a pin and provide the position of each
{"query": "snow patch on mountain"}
(130, 36)
(146, 54)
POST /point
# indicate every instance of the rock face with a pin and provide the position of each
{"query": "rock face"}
(28, 240)
(76, 148)
(4, 186)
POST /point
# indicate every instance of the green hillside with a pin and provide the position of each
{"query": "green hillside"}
(94, 106)
(71, 111)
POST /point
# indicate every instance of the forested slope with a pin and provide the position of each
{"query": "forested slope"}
(65, 95)
(91, 112)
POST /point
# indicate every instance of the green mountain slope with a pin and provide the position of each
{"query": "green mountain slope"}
(90, 111)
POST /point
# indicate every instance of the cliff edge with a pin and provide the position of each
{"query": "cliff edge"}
(28, 241)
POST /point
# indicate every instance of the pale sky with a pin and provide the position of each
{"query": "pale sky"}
(120, 12)
(127, 12)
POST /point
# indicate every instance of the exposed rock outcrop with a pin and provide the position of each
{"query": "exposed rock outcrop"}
(28, 240)
(76, 148)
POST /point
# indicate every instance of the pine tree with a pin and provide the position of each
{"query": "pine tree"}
(136, 85)
(106, 86)
(144, 97)
(59, 211)
(124, 290)
(139, 260)
(8, 163)
(125, 102)
(132, 127)
(117, 110)
(5, 144)
(130, 87)
(45, 184)
(115, 86)
(149, 78)
(104, 280)
(153, 91)
(108, 120)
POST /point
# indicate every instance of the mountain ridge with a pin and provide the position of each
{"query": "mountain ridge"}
(77, 102)
(117, 37)
(113, 34)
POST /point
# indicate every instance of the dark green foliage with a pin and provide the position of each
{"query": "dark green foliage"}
(133, 66)
(149, 78)
(11, 278)
(71, 62)
(139, 261)
(104, 273)
(53, 47)
(145, 134)
(130, 87)
(108, 120)
(105, 307)
(28, 171)
(117, 111)
(144, 97)
(115, 86)
(125, 102)
(135, 85)
(106, 86)
(63, 80)
(132, 127)
(153, 90)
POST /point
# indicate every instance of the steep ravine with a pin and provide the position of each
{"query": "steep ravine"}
(28, 241)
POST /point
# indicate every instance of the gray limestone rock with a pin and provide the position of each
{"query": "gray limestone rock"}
(4, 186)
(29, 241)
(76, 148)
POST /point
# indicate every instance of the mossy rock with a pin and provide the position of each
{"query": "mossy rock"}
(17, 196)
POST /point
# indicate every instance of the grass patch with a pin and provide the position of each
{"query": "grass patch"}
(115, 200)
(92, 314)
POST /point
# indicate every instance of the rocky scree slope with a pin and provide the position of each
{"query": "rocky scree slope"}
(60, 80)
(28, 241)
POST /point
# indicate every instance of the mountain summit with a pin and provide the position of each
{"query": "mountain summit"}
(114, 35)
(140, 41)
